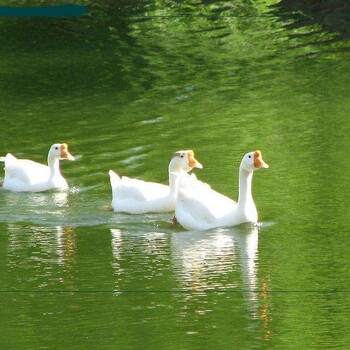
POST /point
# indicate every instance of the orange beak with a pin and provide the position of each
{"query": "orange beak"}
(258, 161)
(64, 152)
(192, 162)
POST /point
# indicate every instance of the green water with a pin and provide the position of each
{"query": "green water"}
(125, 93)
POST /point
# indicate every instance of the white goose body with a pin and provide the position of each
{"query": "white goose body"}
(199, 208)
(23, 175)
(135, 196)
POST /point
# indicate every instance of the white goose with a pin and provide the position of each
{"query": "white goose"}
(201, 208)
(23, 175)
(137, 197)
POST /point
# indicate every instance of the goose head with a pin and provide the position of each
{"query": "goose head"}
(253, 161)
(184, 160)
(60, 151)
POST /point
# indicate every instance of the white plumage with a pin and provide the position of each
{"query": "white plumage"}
(136, 196)
(23, 175)
(201, 208)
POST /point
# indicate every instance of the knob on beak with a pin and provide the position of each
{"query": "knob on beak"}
(64, 152)
(258, 161)
(193, 162)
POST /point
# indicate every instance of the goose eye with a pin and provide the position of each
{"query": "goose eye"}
(56, 147)
(249, 156)
(182, 155)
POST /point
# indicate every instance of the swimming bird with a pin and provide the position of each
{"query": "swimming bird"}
(23, 175)
(135, 196)
(201, 208)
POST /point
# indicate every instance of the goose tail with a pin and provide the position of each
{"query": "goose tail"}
(114, 178)
(9, 158)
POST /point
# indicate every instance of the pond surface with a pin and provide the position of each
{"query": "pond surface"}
(125, 93)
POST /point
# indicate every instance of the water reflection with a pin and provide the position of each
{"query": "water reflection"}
(41, 250)
(36, 201)
(117, 242)
(222, 259)
(332, 16)
(31, 206)
(66, 208)
(140, 256)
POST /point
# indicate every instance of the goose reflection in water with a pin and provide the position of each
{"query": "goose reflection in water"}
(151, 245)
(35, 203)
(117, 243)
(210, 260)
(41, 247)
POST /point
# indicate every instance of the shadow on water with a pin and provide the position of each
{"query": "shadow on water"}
(99, 39)
(113, 47)
(131, 47)
(331, 16)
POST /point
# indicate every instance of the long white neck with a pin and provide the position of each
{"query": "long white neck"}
(173, 176)
(245, 197)
(54, 165)
(174, 172)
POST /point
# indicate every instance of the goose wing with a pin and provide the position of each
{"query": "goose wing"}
(136, 190)
(24, 170)
(202, 208)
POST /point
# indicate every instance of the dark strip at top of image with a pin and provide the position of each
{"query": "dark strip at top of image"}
(43, 11)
